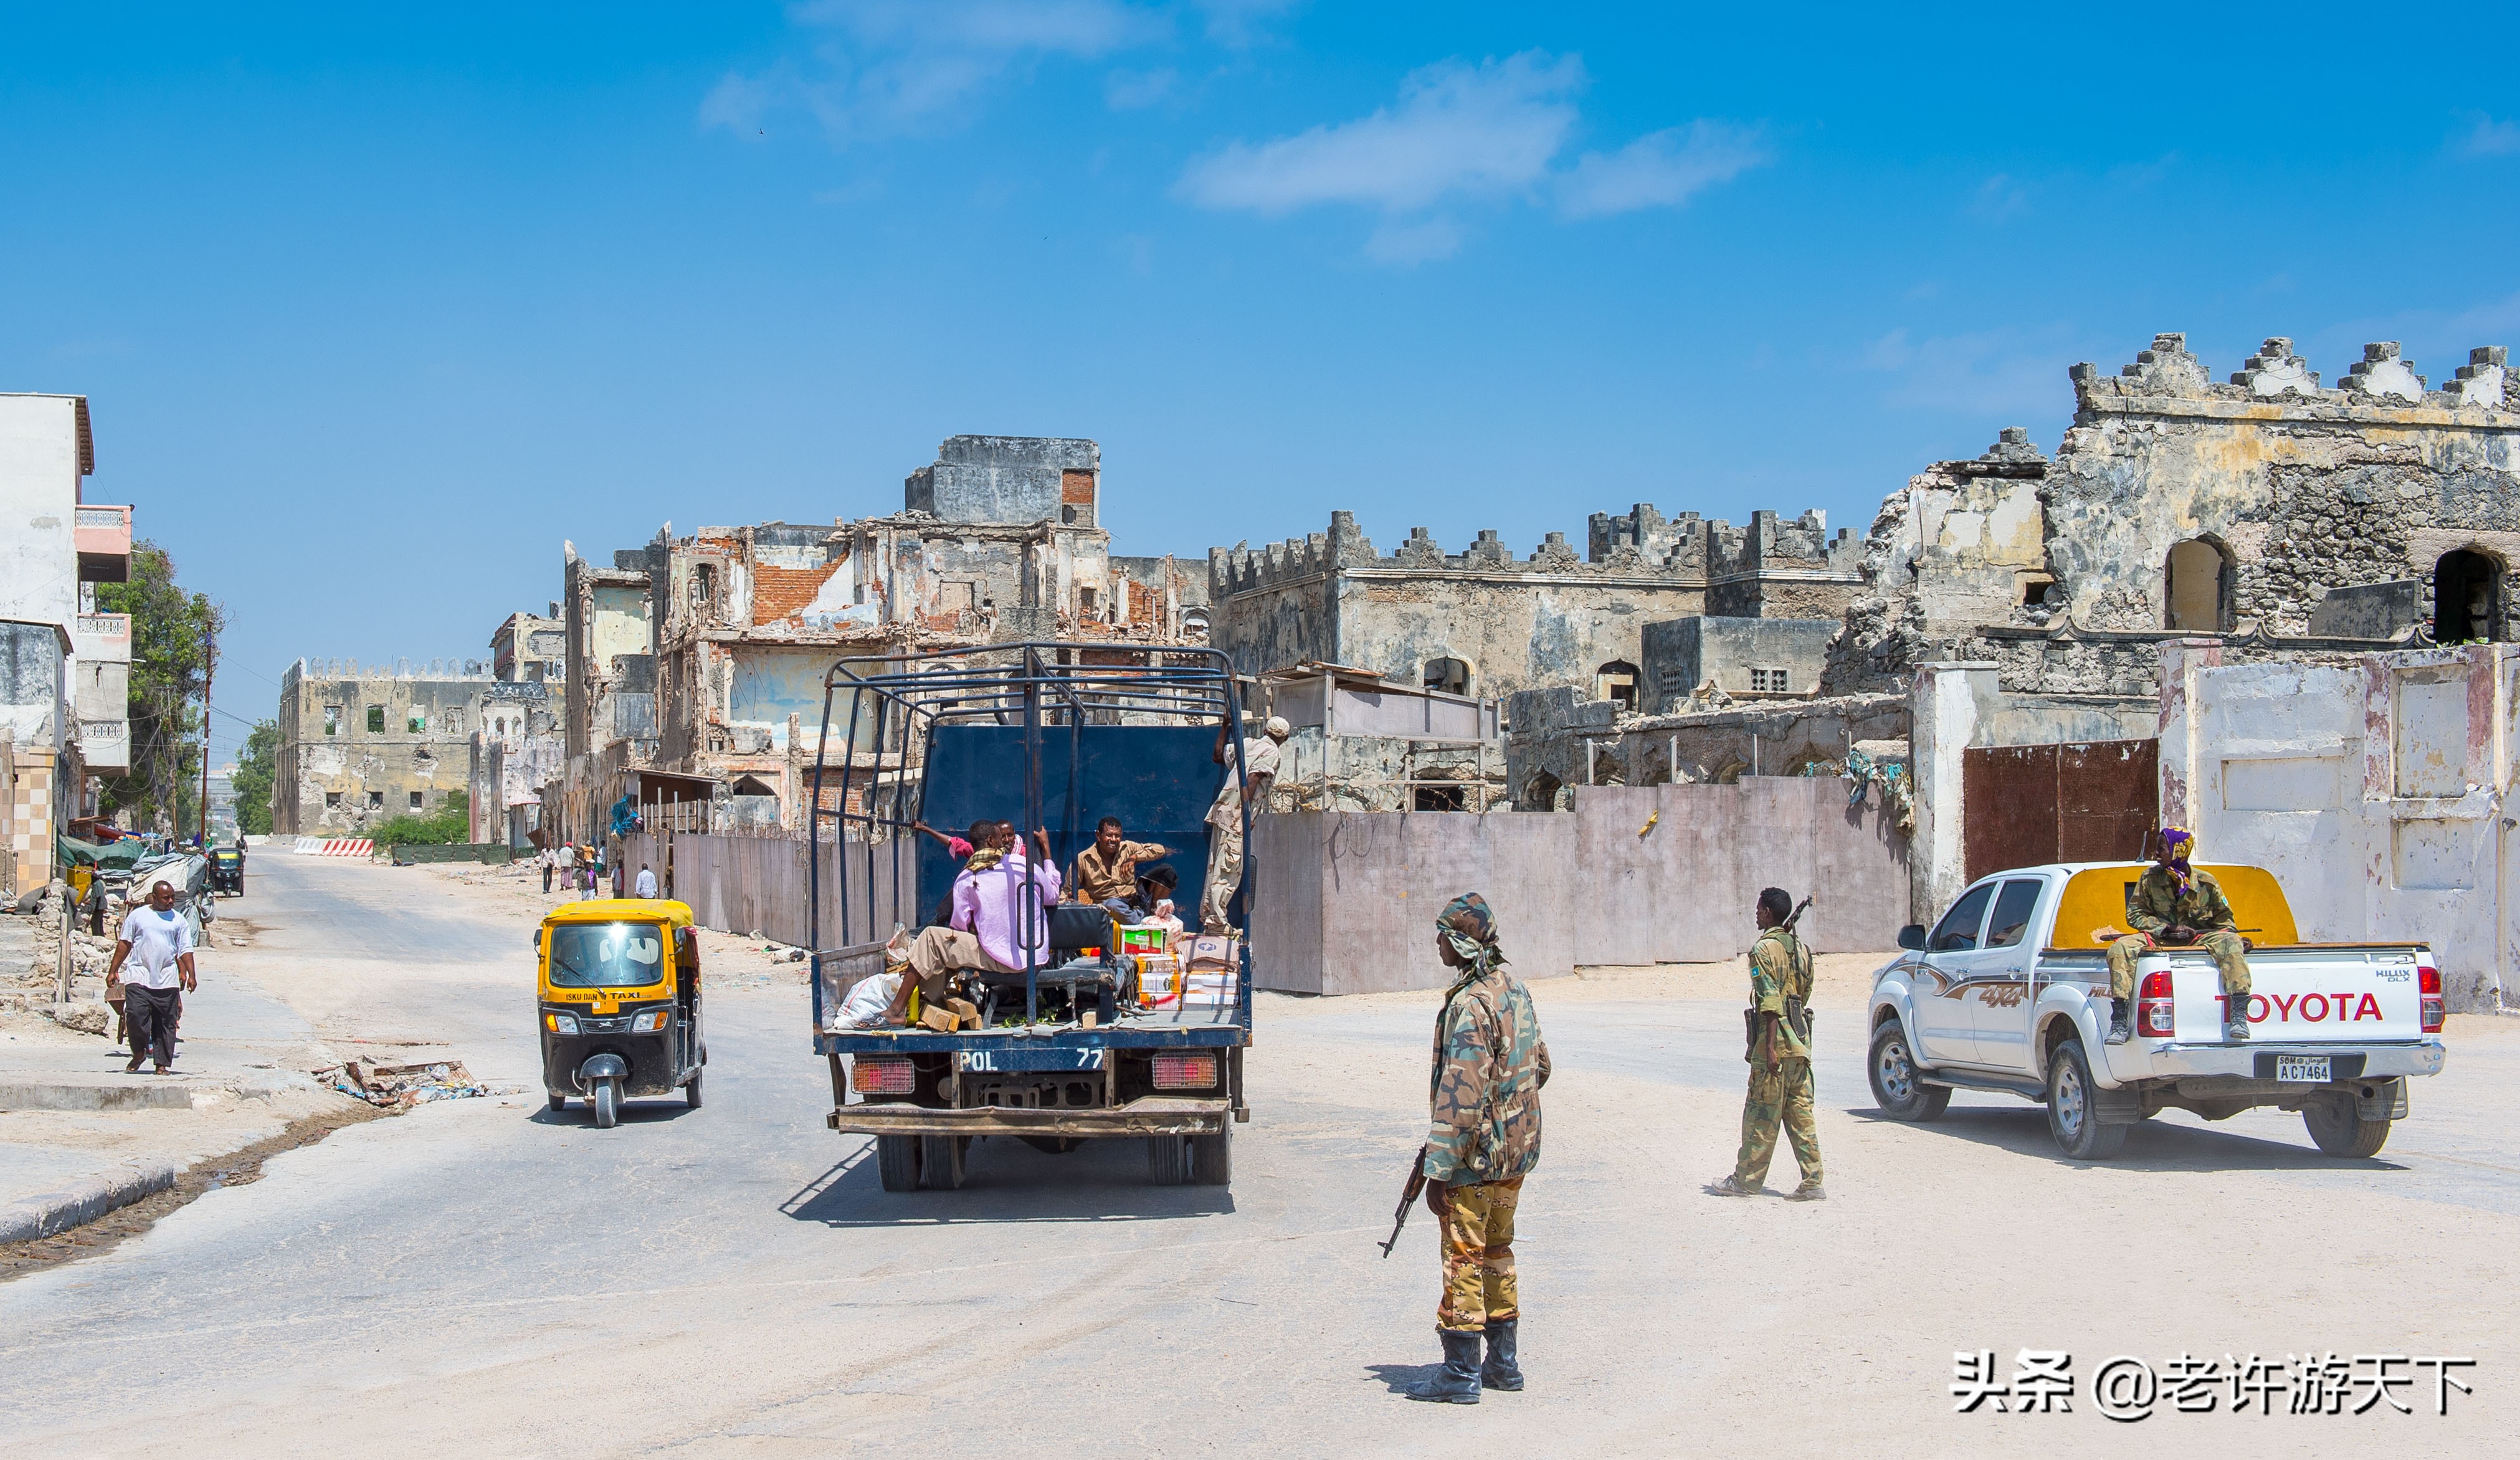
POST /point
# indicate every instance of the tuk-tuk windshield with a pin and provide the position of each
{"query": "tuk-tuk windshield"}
(606, 955)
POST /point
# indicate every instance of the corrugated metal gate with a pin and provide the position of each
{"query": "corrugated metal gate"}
(2092, 802)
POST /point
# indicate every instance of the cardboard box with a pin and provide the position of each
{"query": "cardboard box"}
(1140, 940)
(1159, 980)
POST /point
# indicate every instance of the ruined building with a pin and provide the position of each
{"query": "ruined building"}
(358, 746)
(2285, 517)
(1486, 623)
(689, 658)
(521, 744)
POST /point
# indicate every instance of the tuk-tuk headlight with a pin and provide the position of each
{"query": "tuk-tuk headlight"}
(561, 1023)
(650, 1022)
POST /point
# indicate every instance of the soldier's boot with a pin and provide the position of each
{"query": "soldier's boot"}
(1502, 1371)
(2121, 1029)
(1457, 1382)
(1731, 1186)
(1809, 1191)
(2236, 1019)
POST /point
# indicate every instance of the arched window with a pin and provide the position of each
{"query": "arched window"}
(2467, 598)
(1540, 794)
(2196, 594)
(1616, 681)
(753, 785)
(1195, 625)
(1449, 677)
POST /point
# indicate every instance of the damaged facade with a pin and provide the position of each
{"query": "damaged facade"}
(700, 658)
(359, 746)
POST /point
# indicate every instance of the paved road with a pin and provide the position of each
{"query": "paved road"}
(483, 1277)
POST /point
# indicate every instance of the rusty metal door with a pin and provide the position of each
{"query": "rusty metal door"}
(2091, 801)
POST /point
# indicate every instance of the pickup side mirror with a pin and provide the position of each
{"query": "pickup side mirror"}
(1913, 937)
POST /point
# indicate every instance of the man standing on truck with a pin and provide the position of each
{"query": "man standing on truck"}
(1258, 757)
(1482, 1140)
(2176, 905)
(1779, 1056)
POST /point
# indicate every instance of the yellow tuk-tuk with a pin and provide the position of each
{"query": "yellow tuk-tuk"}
(618, 986)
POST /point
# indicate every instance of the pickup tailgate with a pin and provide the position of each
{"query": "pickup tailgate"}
(2307, 995)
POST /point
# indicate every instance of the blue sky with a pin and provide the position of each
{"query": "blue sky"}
(373, 310)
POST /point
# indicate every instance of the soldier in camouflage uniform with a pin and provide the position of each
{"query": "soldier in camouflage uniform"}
(2176, 905)
(1780, 1058)
(1482, 1139)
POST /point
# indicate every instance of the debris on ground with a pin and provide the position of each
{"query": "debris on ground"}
(402, 1086)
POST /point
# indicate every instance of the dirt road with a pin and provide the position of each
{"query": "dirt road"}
(485, 1277)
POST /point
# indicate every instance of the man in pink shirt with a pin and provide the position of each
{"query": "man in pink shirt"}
(985, 929)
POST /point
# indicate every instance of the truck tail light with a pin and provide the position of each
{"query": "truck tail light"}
(2429, 986)
(1185, 1072)
(881, 1074)
(2153, 1007)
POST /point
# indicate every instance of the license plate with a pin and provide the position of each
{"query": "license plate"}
(1028, 1061)
(2302, 1068)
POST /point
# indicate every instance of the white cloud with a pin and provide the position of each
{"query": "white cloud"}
(883, 67)
(1239, 23)
(1408, 243)
(2490, 138)
(1999, 197)
(1660, 170)
(1991, 372)
(1129, 91)
(1458, 131)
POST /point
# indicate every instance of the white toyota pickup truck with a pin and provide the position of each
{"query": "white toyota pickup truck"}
(2010, 992)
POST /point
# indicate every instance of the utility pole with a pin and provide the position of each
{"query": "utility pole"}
(209, 668)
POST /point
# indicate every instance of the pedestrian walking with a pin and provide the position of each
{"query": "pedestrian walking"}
(647, 887)
(1483, 1138)
(1779, 1056)
(547, 862)
(156, 947)
(568, 863)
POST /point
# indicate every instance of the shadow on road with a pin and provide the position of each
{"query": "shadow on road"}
(1399, 1377)
(2151, 1146)
(657, 1112)
(1008, 1181)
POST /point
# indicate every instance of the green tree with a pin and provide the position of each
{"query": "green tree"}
(255, 769)
(173, 635)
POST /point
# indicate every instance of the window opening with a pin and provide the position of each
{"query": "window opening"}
(332, 719)
(2467, 598)
(1616, 682)
(375, 719)
(2198, 592)
(1449, 677)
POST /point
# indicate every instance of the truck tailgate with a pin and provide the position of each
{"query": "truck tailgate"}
(2306, 996)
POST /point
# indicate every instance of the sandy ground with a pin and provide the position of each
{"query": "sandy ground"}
(731, 1281)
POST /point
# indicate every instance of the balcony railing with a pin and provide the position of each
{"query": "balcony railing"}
(103, 538)
(104, 636)
(105, 744)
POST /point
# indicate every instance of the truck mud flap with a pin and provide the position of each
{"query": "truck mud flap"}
(1139, 1117)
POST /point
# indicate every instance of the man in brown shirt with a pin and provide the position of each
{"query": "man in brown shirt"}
(1106, 872)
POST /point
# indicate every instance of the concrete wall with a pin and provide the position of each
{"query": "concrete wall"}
(2377, 795)
(1681, 655)
(747, 884)
(40, 467)
(1344, 902)
(1018, 479)
(357, 764)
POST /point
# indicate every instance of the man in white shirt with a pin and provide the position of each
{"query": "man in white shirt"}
(156, 947)
(647, 887)
(1258, 755)
(550, 861)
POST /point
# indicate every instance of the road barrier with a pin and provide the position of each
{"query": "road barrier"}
(335, 846)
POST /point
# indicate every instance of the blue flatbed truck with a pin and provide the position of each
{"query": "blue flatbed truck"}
(1052, 736)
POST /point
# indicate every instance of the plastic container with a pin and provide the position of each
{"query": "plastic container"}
(1141, 941)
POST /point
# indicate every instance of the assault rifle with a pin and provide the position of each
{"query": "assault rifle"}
(1798, 1014)
(1409, 1191)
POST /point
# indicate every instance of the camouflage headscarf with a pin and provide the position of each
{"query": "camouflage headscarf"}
(2175, 844)
(1470, 928)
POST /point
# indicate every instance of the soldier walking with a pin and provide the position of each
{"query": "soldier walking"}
(1779, 1056)
(2180, 906)
(1483, 1138)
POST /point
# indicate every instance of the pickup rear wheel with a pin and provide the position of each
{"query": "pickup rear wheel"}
(1897, 1085)
(2073, 1108)
(1167, 1160)
(2340, 1129)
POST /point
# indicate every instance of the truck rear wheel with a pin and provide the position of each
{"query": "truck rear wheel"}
(1167, 1160)
(2340, 1129)
(1898, 1086)
(1211, 1159)
(940, 1161)
(2074, 1110)
(896, 1161)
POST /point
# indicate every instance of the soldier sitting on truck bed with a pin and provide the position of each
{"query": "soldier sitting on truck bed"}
(2176, 905)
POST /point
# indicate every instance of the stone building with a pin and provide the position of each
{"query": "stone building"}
(2288, 517)
(360, 744)
(1485, 623)
(690, 659)
(531, 649)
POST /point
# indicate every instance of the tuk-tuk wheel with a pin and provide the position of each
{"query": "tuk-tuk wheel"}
(692, 1092)
(607, 1104)
(558, 1102)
